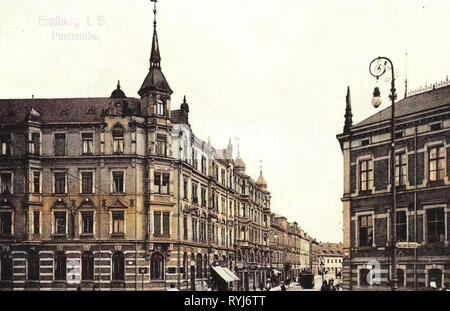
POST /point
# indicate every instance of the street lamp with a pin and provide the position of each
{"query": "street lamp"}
(377, 68)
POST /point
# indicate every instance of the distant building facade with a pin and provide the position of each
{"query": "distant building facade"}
(330, 259)
(422, 165)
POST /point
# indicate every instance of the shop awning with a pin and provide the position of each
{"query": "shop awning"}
(223, 274)
(230, 273)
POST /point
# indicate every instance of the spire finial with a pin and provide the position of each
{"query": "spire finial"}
(260, 166)
(118, 84)
(184, 99)
(239, 152)
(154, 12)
(155, 57)
(348, 112)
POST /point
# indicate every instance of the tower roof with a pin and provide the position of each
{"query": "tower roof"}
(239, 164)
(261, 181)
(118, 93)
(155, 80)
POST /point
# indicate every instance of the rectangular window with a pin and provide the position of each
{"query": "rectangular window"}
(118, 223)
(166, 224)
(60, 183)
(88, 143)
(36, 222)
(36, 182)
(400, 169)
(161, 183)
(5, 223)
(401, 226)
(366, 174)
(203, 197)
(88, 222)
(185, 188)
(203, 165)
(157, 223)
(365, 230)
(185, 228)
(194, 229)
(194, 194)
(60, 222)
(118, 140)
(60, 144)
(87, 182)
(157, 183)
(6, 144)
(118, 183)
(222, 174)
(194, 159)
(35, 144)
(161, 145)
(6, 183)
(436, 161)
(165, 184)
(435, 225)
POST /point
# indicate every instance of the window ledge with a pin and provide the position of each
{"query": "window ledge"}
(87, 235)
(59, 236)
(118, 235)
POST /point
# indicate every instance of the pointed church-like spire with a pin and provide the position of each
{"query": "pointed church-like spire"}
(155, 57)
(348, 112)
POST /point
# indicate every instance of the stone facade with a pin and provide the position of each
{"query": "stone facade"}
(423, 193)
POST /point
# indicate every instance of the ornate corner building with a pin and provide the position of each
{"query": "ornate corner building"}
(422, 166)
(118, 193)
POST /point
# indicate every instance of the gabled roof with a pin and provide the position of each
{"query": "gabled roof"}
(435, 98)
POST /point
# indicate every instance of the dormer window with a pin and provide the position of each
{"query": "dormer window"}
(160, 106)
(118, 139)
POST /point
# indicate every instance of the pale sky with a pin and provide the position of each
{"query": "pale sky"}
(273, 73)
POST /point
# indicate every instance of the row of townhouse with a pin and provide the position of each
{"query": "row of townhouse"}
(118, 193)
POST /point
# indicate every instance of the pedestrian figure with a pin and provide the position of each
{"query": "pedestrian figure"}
(324, 286)
(283, 288)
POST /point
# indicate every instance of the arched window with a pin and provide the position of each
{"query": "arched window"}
(6, 265)
(118, 266)
(157, 267)
(185, 266)
(160, 106)
(199, 266)
(60, 266)
(118, 139)
(87, 266)
(435, 275)
(33, 266)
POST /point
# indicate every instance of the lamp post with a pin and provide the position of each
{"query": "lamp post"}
(377, 68)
